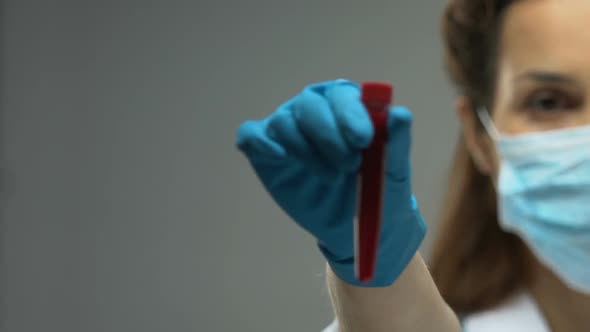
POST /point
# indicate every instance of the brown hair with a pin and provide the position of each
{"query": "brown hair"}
(475, 264)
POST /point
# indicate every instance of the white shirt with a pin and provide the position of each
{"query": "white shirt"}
(518, 314)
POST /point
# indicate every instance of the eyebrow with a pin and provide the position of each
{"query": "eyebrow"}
(546, 77)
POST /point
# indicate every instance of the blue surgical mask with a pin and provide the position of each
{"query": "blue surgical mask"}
(543, 194)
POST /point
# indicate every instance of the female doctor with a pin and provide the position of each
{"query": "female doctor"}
(513, 253)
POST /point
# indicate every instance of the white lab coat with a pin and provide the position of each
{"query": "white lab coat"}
(519, 314)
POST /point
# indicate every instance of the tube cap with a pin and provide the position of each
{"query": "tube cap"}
(377, 93)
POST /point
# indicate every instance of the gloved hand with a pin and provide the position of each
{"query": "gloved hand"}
(308, 154)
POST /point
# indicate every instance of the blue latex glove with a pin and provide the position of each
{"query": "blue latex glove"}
(308, 154)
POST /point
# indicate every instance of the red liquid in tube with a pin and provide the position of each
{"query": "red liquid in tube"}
(377, 97)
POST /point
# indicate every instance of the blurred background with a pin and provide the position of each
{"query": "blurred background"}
(124, 203)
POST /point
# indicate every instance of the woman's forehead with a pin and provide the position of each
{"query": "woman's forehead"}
(551, 34)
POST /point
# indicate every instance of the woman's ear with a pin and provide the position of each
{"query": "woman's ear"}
(476, 139)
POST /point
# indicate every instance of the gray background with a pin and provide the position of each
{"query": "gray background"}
(125, 206)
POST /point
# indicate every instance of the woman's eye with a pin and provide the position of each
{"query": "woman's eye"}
(551, 101)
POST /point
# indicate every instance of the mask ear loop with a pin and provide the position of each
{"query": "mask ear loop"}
(488, 123)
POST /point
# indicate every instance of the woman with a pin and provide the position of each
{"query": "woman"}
(513, 252)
